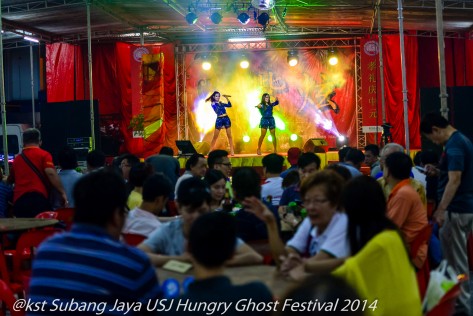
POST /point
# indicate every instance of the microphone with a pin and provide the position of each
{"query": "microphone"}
(226, 96)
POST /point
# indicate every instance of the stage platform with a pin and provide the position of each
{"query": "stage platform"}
(254, 160)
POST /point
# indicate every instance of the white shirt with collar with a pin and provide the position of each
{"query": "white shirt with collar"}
(141, 222)
(273, 187)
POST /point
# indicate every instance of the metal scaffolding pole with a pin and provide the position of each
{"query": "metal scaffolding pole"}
(381, 68)
(403, 73)
(3, 103)
(441, 56)
(91, 85)
(33, 111)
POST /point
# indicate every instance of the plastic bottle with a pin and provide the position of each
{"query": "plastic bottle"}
(291, 208)
(171, 288)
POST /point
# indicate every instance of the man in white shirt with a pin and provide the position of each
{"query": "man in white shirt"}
(196, 166)
(143, 220)
(272, 187)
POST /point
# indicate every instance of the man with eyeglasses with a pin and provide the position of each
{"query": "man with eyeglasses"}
(218, 160)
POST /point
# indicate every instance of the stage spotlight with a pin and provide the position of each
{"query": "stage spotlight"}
(263, 19)
(216, 18)
(244, 18)
(295, 141)
(246, 139)
(342, 141)
(191, 18)
(244, 63)
(206, 65)
(332, 58)
(292, 58)
(270, 138)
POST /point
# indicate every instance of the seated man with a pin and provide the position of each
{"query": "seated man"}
(169, 241)
(143, 220)
(271, 190)
(209, 255)
(89, 264)
(405, 207)
(196, 166)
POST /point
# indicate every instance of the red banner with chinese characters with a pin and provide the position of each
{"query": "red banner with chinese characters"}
(370, 86)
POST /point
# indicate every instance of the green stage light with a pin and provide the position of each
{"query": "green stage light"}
(293, 137)
(246, 139)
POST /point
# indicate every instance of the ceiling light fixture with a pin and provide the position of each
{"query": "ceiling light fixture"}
(244, 18)
(263, 19)
(31, 39)
(216, 18)
(191, 18)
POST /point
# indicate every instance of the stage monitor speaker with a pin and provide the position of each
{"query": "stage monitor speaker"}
(185, 148)
(63, 121)
(316, 145)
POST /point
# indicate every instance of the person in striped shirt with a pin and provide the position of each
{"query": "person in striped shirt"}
(88, 269)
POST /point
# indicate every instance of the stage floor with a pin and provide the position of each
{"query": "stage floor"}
(254, 160)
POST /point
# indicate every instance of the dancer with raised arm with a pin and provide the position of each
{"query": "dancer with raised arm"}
(267, 121)
(223, 121)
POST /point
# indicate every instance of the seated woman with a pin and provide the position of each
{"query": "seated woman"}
(321, 235)
(217, 184)
(379, 269)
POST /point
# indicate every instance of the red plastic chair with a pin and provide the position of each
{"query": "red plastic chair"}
(5, 277)
(423, 274)
(25, 250)
(133, 239)
(66, 215)
(47, 215)
(8, 299)
(446, 306)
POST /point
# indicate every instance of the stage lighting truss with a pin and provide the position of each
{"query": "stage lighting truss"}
(292, 58)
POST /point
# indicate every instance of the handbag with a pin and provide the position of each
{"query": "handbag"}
(43, 179)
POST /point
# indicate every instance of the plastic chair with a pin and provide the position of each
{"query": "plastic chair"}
(133, 239)
(25, 250)
(446, 306)
(8, 299)
(47, 215)
(423, 274)
(5, 277)
(66, 215)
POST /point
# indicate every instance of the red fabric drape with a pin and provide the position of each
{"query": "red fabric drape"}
(393, 88)
(458, 62)
(112, 88)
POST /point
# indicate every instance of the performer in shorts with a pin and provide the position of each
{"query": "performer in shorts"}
(267, 120)
(223, 121)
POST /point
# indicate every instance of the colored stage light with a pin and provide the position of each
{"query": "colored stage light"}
(342, 141)
(332, 58)
(292, 58)
(293, 137)
(270, 138)
(244, 63)
(191, 18)
(216, 18)
(206, 65)
(295, 141)
(246, 139)
(244, 18)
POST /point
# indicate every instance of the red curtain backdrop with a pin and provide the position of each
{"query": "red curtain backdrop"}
(393, 88)
(458, 62)
(66, 64)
